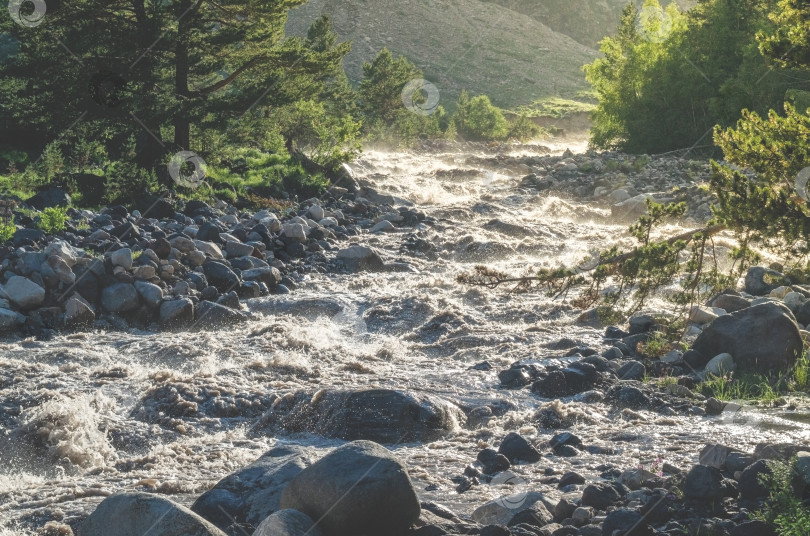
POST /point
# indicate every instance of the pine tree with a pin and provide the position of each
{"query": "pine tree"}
(170, 67)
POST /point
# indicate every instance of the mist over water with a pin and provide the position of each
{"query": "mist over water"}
(87, 415)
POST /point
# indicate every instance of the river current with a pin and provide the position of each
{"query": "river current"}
(86, 415)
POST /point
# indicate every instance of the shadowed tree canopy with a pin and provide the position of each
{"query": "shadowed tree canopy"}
(161, 70)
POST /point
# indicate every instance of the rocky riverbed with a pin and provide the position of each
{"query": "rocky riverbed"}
(212, 341)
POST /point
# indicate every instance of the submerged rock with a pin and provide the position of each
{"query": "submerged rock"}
(359, 488)
(381, 415)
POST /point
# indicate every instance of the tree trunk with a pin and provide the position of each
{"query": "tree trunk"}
(182, 125)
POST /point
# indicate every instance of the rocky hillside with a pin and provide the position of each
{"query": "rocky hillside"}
(587, 21)
(459, 44)
(516, 51)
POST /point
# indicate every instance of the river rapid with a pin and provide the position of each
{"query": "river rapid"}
(86, 415)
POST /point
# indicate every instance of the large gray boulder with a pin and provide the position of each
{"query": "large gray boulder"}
(10, 320)
(78, 312)
(381, 415)
(176, 314)
(119, 298)
(137, 514)
(23, 292)
(359, 488)
(761, 338)
(288, 523)
(220, 276)
(212, 315)
(152, 294)
(251, 494)
(361, 258)
(759, 280)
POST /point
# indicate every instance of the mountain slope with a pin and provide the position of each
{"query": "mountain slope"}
(586, 21)
(459, 44)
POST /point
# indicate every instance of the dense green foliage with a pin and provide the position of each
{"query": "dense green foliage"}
(178, 75)
(52, 220)
(477, 119)
(784, 510)
(689, 73)
(271, 115)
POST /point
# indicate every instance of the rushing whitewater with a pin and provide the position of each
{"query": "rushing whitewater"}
(86, 415)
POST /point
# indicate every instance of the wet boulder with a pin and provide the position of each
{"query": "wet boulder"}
(761, 338)
(493, 462)
(751, 486)
(730, 302)
(220, 276)
(120, 298)
(176, 314)
(382, 415)
(136, 514)
(501, 510)
(359, 488)
(251, 494)
(517, 448)
(288, 523)
(626, 522)
(704, 483)
(601, 495)
(361, 258)
(759, 280)
(212, 315)
(23, 292)
(49, 197)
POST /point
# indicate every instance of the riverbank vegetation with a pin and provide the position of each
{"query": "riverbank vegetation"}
(270, 115)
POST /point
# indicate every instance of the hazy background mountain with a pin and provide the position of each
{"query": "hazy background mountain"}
(515, 51)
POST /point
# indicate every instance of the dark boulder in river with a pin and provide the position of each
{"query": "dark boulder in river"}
(251, 494)
(137, 514)
(761, 338)
(381, 415)
(359, 488)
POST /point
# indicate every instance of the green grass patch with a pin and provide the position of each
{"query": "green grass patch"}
(745, 387)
